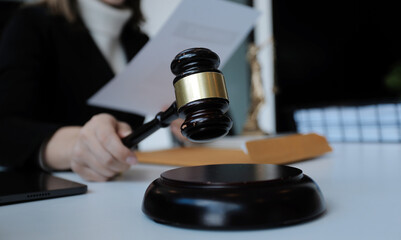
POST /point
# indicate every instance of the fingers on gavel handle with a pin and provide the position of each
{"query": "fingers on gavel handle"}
(162, 119)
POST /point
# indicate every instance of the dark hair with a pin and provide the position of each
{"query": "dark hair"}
(69, 9)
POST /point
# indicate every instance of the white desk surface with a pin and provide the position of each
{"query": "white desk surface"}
(361, 184)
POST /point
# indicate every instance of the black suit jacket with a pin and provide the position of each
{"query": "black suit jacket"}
(48, 70)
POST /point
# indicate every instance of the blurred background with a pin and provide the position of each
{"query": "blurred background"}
(329, 67)
(337, 69)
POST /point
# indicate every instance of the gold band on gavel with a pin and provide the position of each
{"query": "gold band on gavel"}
(199, 86)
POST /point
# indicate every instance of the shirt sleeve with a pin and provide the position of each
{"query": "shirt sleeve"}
(23, 64)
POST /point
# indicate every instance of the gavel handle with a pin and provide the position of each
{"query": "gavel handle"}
(162, 119)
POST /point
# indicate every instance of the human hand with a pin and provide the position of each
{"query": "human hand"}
(94, 151)
(175, 128)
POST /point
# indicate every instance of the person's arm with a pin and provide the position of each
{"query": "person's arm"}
(23, 62)
(94, 151)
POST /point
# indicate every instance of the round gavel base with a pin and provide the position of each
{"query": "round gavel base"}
(233, 196)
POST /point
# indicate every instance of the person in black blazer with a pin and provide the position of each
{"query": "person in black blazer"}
(51, 63)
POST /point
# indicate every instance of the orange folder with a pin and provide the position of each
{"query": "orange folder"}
(273, 150)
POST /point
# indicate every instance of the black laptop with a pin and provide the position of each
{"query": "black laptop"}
(23, 186)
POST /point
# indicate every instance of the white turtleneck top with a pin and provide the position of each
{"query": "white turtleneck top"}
(105, 25)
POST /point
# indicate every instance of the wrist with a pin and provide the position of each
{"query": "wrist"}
(56, 153)
(41, 159)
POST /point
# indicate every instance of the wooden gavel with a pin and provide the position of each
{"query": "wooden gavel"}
(201, 99)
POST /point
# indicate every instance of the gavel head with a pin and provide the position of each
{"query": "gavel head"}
(201, 95)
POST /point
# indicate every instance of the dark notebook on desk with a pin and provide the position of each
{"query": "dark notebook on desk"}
(17, 186)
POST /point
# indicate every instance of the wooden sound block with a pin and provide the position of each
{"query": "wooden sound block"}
(233, 196)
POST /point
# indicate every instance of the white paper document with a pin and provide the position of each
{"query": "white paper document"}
(146, 85)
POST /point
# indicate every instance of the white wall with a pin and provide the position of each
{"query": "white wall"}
(263, 32)
(156, 13)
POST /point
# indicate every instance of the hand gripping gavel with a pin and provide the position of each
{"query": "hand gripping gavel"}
(201, 99)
